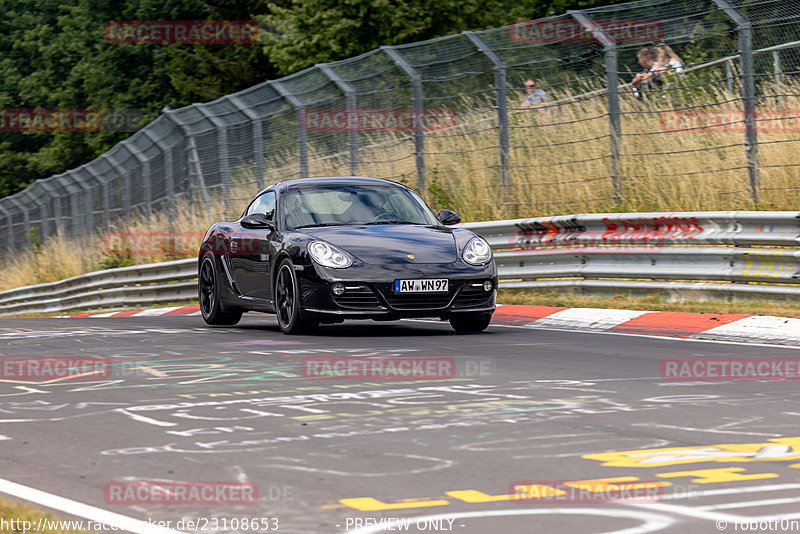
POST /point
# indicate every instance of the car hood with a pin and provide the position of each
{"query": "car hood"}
(392, 243)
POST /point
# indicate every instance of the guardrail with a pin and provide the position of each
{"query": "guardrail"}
(721, 253)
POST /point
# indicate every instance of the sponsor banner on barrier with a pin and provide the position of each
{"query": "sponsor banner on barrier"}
(643, 233)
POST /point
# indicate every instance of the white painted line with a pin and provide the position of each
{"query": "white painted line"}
(750, 504)
(155, 311)
(194, 313)
(650, 336)
(109, 314)
(589, 318)
(78, 509)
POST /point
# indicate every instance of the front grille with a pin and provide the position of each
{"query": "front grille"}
(473, 296)
(419, 301)
(358, 297)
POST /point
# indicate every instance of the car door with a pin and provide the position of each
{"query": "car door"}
(250, 251)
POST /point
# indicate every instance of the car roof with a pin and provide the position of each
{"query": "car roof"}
(331, 180)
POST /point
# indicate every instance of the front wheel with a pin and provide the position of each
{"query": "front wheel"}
(287, 301)
(208, 293)
(470, 323)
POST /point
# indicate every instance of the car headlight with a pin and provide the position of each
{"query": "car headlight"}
(477, 251)
(328, 255)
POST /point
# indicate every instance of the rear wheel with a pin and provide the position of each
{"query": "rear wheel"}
(470, 323)
(287, 302)
(208, 293)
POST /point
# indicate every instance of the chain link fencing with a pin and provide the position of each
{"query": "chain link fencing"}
(449, 117)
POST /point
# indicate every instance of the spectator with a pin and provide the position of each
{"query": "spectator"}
(668, 60)
(534, 97)
(648, 59)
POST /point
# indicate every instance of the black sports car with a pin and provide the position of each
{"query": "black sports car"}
(321, 250)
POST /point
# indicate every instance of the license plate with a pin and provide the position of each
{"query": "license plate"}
(439, 285)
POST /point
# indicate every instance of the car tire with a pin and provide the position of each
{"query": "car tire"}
(287, 302)
(470, 323)
(208, 295)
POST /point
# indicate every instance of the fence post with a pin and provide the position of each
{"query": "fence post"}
(10, 228)
(222, 146)
(144, 166)
(729, 76)
(258, 136)
(67, 181)
(26, 218)
(418, 105)
(776, 69)
(351, 104)
(106, 208)
(193, 159)
(502, 109)
(88, 200)
(612, 84)
(302, 134)
(744, 30)
(126, 183)
(44, 208)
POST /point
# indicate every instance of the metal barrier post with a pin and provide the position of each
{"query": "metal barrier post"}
(222, 146)
(612, 84)
(258, 137)
(351, 104)
(26, 218)
(419, 109)
(502, 109)
(776, 69)
(302, 134)
(193, 158)
(744, 29)
(11, 245)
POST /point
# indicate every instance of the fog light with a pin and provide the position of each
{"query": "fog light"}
(338, 289)
(487, 285)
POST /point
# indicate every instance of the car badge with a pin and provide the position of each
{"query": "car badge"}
(410, 256)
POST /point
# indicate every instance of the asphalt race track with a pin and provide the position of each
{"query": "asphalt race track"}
(471, 450)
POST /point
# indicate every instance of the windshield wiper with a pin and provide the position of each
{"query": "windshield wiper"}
(318, 224)
(390, 222)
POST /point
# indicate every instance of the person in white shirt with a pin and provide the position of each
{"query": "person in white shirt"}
(648, 59)
(668, 60)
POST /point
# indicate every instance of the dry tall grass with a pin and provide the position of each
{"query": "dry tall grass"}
(559, 163)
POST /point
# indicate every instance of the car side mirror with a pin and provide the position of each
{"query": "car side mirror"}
(448, 217)
(256, 220)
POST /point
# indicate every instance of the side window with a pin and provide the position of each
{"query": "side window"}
(264, 204)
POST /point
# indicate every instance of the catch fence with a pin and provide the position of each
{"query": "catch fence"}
(447, 117)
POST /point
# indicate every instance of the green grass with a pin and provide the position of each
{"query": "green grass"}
(14, 514)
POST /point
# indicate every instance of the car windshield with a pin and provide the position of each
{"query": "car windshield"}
(353, 205)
